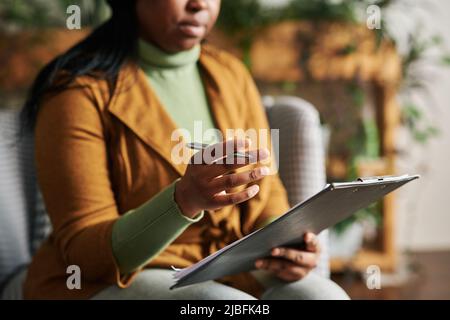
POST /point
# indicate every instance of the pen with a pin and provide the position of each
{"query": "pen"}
(202, 146)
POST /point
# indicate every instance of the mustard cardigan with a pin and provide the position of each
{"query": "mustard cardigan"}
(98, 158)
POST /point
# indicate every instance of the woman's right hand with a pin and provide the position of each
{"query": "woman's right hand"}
(204, 184)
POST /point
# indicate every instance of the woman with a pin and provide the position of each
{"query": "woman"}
(121, 209)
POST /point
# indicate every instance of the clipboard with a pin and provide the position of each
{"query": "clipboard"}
(336, 202)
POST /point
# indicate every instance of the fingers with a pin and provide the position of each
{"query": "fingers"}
(291, 264)
(224, 199)
(230, 181)
(283, 269)
(233, 162)
(220, 150)
(208, 181)
(293, 274)
(312, 242)
(300, 258)
(220, 158)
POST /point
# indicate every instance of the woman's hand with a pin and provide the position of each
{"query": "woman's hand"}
(204, 185)
(292, 264)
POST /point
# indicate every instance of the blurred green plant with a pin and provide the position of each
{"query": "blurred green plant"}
(322, 10)
(363, 145)
(21, 13)
(243, 19)
(446, 60)
(413, 116)
(246, 16)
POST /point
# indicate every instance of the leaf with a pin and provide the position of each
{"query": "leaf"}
(436, 40)
(349, 49)
(446, 60)
(357, 94)
(411, 111)
(372, 142)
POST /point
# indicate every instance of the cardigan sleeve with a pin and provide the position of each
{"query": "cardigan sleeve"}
(140, 234)
(72, 170)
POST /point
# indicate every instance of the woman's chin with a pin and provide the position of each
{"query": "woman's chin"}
(178, 44)
(187, 44)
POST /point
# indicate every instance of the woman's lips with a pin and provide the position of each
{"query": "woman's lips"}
(192, 30)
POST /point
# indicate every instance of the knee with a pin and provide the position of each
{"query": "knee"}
(312, 287)
(155, 284)
(211, 290)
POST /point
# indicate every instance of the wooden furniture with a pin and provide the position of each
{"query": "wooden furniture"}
(305, 52)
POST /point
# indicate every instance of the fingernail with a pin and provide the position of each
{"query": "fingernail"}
(254, 190)
(276, 252)
(263, 153)
(309, 237)
(264, 171)
(240, 144)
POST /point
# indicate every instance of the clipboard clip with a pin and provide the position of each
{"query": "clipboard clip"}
(371, 179)
(380, 178)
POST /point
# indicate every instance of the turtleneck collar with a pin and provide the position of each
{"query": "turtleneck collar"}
(152, 56)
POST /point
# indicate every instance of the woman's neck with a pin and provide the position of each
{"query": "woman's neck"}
(152, 56)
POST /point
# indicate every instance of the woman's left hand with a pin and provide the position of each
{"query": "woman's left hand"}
(291, 264)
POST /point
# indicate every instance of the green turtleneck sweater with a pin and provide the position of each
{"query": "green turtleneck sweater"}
(177, 82)
(142, 233)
